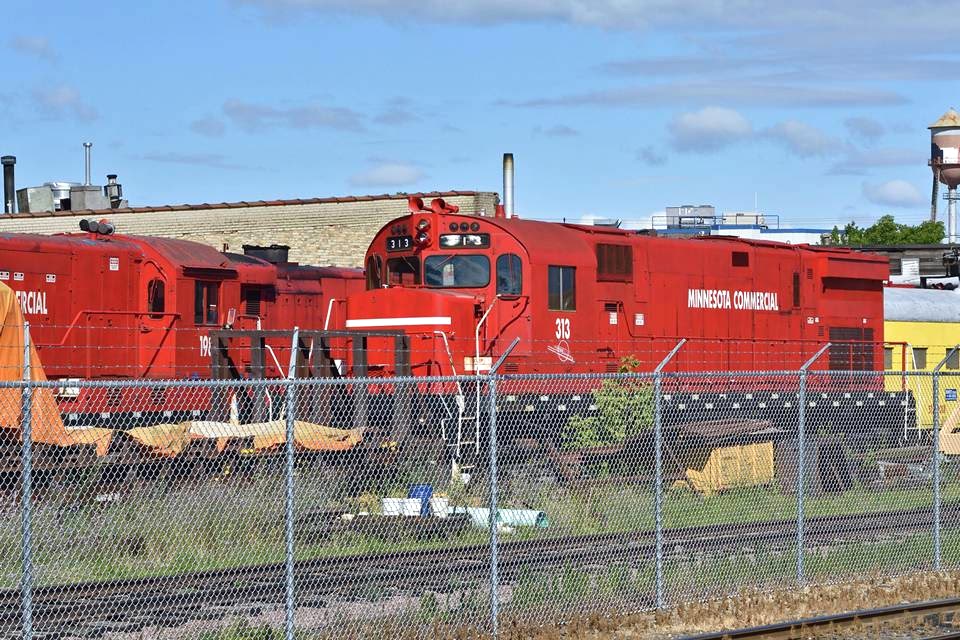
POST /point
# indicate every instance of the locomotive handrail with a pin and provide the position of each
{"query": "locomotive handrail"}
(135, 314)
(326, 321)
(476, 335)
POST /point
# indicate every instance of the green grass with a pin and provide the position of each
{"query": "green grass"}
(162, 531)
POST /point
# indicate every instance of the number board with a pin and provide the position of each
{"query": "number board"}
(399, 243)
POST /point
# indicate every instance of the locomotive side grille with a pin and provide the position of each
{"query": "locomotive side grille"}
(614, 263)
(611, 307)
(852, 356)
(809, 274)
(252, 297)
(511, 367)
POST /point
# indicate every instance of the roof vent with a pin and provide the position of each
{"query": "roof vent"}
(275, 253)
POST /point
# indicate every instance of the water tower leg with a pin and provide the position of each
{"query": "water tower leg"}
(952, 215)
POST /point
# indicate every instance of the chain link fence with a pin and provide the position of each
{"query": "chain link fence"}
(392, 507)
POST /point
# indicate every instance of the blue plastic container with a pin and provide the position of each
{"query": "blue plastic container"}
(424, 492)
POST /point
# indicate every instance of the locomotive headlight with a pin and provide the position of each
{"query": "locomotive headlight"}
(423, 224)
(423, 238)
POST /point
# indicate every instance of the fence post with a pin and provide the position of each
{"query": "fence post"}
(492, 452)
(658, 473)
(802, 458)
(288, 475)
(26, 507)
(936, 460)
(492, 459)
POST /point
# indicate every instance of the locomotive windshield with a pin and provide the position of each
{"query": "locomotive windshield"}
(456, 271)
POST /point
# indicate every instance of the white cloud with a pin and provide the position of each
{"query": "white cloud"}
(257, 117)
(867, 129)
(388, 174)
(728, 92)
(557, 131)
(859, 161)
(802, 139)
(893, 193)
(209, 126)
(709, 129)
(887, 18)
(651, 155)
(214, 160)
(62, 102)
(36, 46)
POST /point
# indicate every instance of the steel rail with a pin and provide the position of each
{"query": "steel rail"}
(805, 627)
(181, 597)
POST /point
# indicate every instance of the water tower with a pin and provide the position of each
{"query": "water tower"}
(945, 162)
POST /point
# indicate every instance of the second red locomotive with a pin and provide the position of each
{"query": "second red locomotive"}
(104, 306)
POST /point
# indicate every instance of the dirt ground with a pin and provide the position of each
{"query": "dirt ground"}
(750, 609)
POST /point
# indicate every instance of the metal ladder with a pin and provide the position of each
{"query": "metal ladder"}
(464, 456)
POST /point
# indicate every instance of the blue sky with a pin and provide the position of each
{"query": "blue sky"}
(612, 108)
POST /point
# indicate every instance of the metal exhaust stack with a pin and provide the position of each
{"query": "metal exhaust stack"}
(508, 184)
(86, 163)
(9, 186)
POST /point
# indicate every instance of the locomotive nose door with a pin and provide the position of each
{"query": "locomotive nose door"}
(154, 323)
(511, 315)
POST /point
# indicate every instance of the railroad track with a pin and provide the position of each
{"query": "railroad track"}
(91, 609)
(838, 624)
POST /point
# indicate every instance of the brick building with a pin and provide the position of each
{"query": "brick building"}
(320, 231)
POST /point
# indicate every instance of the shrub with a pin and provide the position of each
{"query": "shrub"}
(624, 410)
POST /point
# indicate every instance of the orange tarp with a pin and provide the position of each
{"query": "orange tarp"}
(47, 427)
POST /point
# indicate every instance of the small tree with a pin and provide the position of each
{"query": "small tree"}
(624, 410)
(886, 231)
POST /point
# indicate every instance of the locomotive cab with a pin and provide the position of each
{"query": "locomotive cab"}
(454, 283)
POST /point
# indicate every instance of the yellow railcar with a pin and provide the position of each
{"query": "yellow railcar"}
(921, 328)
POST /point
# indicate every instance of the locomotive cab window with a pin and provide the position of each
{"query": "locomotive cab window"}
(450, 271)
(509, 275)
(155, 298)
(205, 302)
(374, 272)
(561, 288)
(403, 271)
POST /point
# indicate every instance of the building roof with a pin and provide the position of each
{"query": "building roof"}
(920, 305)
(241, 205)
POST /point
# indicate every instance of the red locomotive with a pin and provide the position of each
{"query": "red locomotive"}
(580, 298)
(130, 307)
